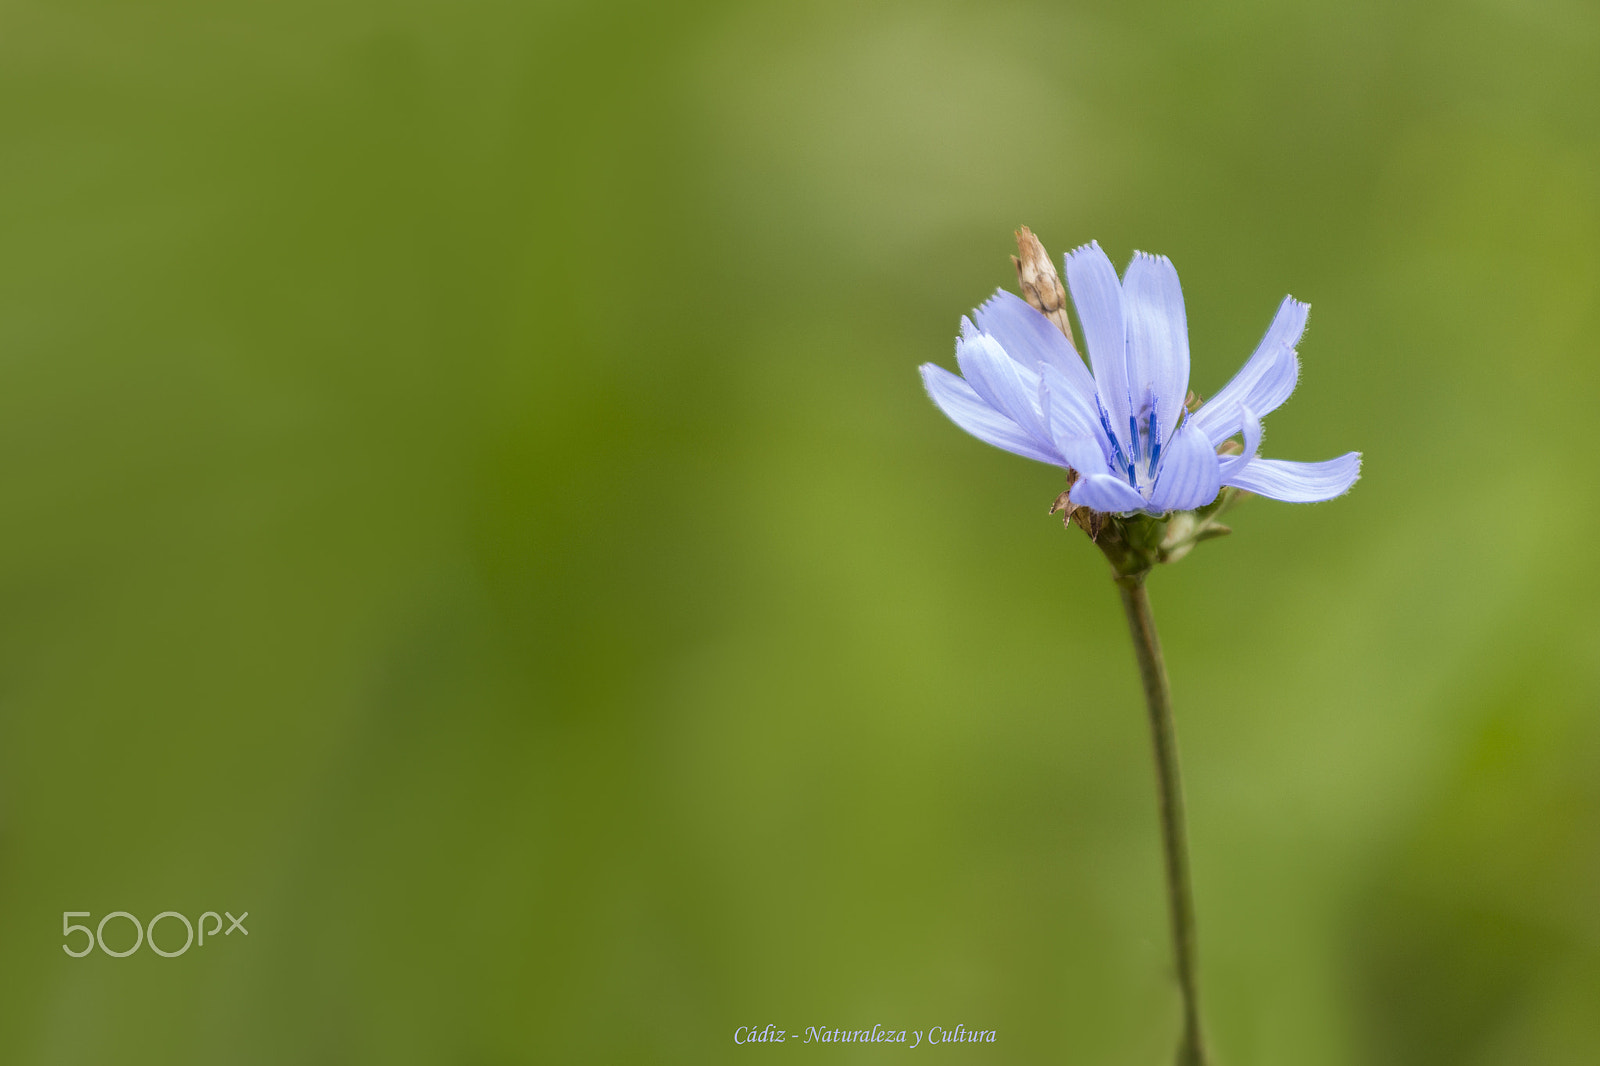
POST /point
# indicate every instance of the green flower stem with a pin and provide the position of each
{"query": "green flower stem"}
(1180, 897)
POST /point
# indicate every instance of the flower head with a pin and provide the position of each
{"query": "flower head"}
(1121, 424)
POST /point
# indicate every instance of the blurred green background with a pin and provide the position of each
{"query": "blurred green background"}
(466, 499)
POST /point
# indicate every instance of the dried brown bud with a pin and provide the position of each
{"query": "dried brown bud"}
(1091, 522)
(1041, 285)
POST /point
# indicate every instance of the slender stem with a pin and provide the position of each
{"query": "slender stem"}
(1180, 898)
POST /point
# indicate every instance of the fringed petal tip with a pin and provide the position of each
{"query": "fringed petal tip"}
(1150, 257)
(1266, 380)
(999, 296)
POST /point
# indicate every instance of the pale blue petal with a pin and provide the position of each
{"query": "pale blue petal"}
(1033, 339)
(1075, 440)
(1097, 294)
(1190, 475)
(968, 410)
(1264, 382)
(1083, 454)
(1299, 482)
(1071, 414)
(1102, 492)
(1252, 443)
(1274, 386)
(1007, 387)
(1158, 337)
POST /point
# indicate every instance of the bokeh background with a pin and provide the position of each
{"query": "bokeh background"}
(466, 499)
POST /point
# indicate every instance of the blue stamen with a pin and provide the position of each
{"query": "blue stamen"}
(1105, 424)
(1155, 439)
(1183, 420)
(1133, 434)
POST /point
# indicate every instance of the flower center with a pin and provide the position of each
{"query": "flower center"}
(1136, 453)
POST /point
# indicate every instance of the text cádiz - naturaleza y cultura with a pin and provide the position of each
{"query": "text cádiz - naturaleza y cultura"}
(749, 1034)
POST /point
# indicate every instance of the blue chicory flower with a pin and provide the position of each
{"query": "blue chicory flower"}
(1124, 428)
